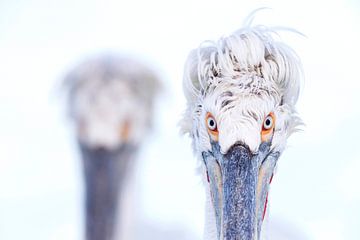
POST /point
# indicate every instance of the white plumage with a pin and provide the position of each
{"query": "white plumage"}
(250, 56)
(110, 100)
(239, 80)
(106, 93)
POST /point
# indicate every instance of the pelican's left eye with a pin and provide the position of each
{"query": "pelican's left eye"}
(268, 122)
(268, 127)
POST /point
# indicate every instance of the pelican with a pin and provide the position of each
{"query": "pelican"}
(241, 93)
(110, 101)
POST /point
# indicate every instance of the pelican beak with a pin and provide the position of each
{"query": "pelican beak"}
(239, 182)
(104, 172)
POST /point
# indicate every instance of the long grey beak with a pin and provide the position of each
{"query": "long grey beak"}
(239, 182)
(104, 172)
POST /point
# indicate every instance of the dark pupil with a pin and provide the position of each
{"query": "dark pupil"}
(212, 123)
(267, 122)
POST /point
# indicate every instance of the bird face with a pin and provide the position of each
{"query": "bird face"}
(240, 156)
(241, 93)
(104, 114)
(110, 99)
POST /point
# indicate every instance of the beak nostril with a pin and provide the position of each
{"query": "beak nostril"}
(239, 148)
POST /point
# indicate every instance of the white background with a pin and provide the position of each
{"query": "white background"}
(315, 193)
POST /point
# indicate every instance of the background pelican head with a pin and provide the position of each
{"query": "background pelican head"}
(241, 93)
(104, 93)
(110, 100)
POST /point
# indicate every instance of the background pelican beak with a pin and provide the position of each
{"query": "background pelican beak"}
(104, 172)
(239, 182)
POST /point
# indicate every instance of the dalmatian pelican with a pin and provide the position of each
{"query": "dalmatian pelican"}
(110, 100)
(241, 93)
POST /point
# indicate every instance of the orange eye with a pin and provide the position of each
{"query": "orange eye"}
(82, 127)
(211, 126)
(267, 127)
(124, 131)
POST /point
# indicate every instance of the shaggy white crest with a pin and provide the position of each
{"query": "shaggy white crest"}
(240, 79)
(110, 96)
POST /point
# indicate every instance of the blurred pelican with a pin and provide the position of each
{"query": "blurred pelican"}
(110, 100)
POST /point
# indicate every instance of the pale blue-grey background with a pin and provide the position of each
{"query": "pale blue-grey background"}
(315, 193)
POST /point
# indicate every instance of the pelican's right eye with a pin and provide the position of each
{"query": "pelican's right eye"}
(211, 123)
(211, 126)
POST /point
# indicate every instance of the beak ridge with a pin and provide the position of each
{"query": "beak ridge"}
(234, 184)
(239, 190)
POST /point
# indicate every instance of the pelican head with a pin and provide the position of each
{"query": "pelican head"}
(241, 92)
(110, 100)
